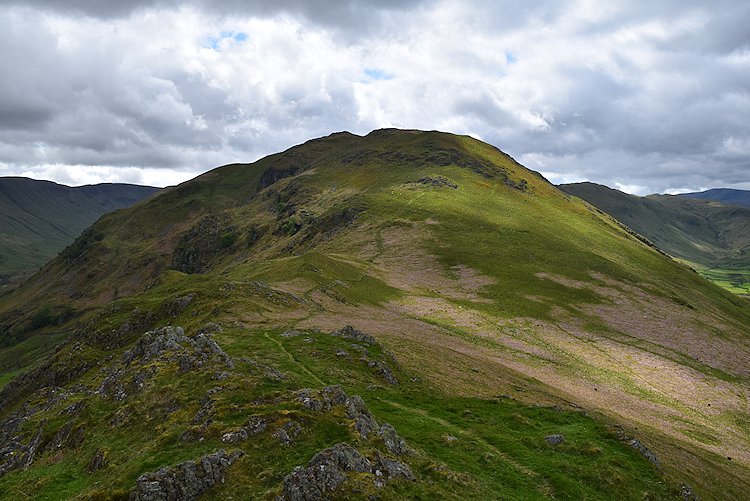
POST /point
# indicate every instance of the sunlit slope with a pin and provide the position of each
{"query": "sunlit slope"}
(713, 237)
(479, 276)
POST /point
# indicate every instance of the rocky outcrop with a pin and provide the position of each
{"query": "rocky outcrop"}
(330, 468)
(393, 442)
(350, 332)
(168, 343)
(185, 481)
(437, 181)
(637, 445)
(15, 455)
(645, 451)
(204, 242)
(321, 401)
(287, 432)
(357, 411)
(325, 472)
(154, 344)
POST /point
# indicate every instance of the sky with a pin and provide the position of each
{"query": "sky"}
(643, 96)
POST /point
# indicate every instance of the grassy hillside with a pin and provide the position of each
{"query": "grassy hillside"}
(503, 313)
(38, 219)
(712, 237)
(724, 195)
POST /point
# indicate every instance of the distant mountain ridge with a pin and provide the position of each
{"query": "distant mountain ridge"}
(712, 236)
(40, 218)
(724, 195)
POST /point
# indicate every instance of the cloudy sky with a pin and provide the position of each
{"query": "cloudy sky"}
(646, 96)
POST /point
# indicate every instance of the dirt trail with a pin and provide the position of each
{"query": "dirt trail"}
(294, 360)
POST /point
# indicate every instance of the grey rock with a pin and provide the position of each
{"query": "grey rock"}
(233, 437)
(204, 413)
(555, 439)
(291, 333)
(384, 371)
(68, 436)
(364, 422)
(288, 432)
(14, 455)
(185, 481)
(256, 425)
(325, 472)
(645, 451)
(112, 386)
(350, 332)
(392, 469)
(437, 181)
(321, 401)
(154, 343)
(210, 328)
(193, 352)
(342, 353)
(686, 492)
(393, 442)
(98, 461)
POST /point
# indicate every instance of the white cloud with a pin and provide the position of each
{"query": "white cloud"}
(650, 96)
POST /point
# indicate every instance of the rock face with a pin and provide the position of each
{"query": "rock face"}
(357, 410)
(203, 243)
(350, 332)
(329, 468)
(325, 472)
(437, 181)
(157, 342)
(167, 343)
(393, 442)
(185, 481)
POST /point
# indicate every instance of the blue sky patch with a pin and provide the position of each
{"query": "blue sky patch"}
(377, 74)
(510, 58)
(214, 42)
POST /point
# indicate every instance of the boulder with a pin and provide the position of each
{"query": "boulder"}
(393, 442)
(357, 410)
(325, 472)
(556, 439)
(185, 481)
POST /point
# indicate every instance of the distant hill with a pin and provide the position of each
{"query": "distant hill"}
(401, 315)
(724, 195)
(712, 236)
(40, 218)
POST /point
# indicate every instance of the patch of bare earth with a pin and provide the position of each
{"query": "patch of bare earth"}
(404, 264)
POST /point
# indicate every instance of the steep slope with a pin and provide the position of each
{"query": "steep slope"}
(712, 237)
(38, 219)
(723, 195)
(503, 313)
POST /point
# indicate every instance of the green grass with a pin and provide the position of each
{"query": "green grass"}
(268, 277)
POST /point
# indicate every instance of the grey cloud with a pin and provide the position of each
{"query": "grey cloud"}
(661, 111)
